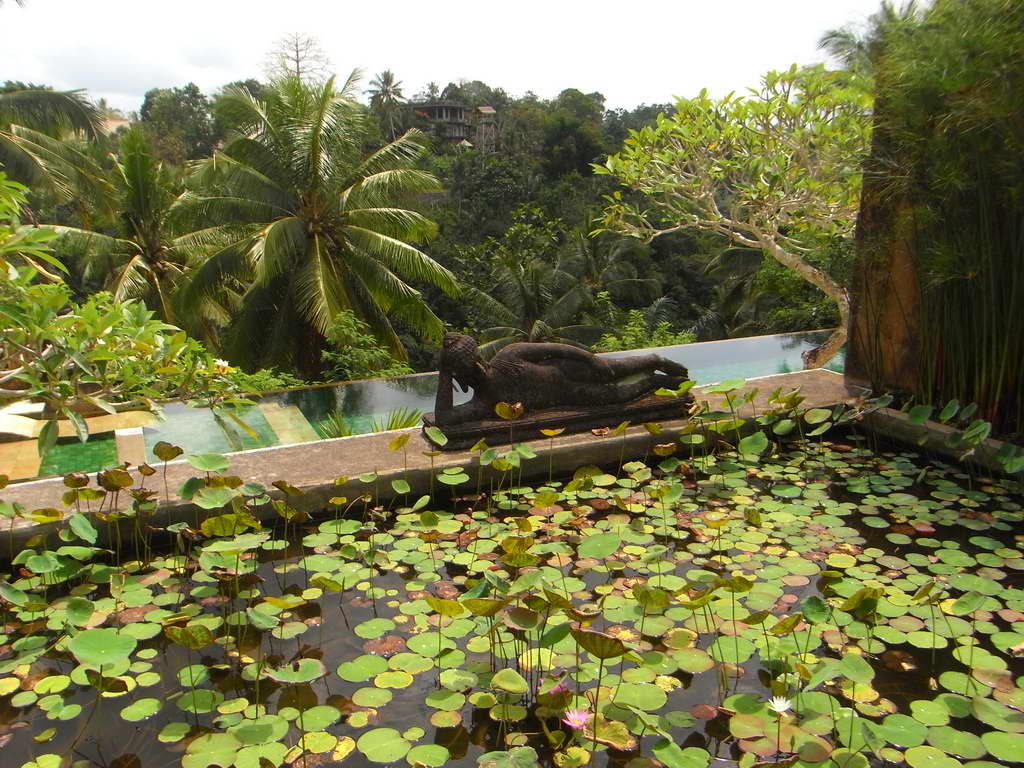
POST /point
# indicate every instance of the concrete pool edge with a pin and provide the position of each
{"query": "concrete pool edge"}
(314, 466)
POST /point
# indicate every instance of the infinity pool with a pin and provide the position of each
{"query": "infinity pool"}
(297, 416)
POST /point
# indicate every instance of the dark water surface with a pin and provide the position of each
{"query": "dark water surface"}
(885, 518)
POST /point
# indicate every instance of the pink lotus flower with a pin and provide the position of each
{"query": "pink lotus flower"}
(576, 718)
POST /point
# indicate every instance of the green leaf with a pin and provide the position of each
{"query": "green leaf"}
(919, 414)
(510, 681)
(214, 498)
(817, 415)
(300, 671)
(756, 443)
(166, 452)
(82, 528)
(79, 610)
(856, 668)
(81, 429)
(784, 427)
(787, 625)
(599, 546)
(598, 644)
(436, 436)
(967, 603)
(12, 594)
(671, 755)
(815, 609)
(193, 637)
(47, 437)
(99, 648)
(208, 462)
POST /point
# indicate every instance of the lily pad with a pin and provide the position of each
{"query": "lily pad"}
(383, 745)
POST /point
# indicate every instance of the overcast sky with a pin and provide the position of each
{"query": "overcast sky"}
(644, 51)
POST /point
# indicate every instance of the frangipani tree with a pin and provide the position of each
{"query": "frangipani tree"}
(777, 170)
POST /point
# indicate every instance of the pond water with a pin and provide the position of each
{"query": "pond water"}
(879, 597)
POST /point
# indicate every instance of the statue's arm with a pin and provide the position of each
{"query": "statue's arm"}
(445, 395)
(541, 351)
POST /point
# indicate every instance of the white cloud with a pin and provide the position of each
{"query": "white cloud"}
(640, 52)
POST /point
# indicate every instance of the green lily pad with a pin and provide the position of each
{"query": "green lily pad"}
(318, 718)
(1004, 746)
(956, 742)
(432, 755)
(372, 697)
(903, 731)
(929, 757)
(458, 679)
(997, 715)
(393, 679)
(427, 644)
(298, 672)
(101, 648)
(173, 732)
(510, 681)
(693, 660)
(260, 730)
(445, 699)
(645, 696)
(383, 745)
(362, 668)
(731, 649)
(929, 712)
(200, 701)
(599, 546)
(374, 628)
(140, 710)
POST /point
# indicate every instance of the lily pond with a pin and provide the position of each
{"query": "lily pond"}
(821, 604)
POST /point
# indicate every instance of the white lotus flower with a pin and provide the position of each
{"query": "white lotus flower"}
(779, 704)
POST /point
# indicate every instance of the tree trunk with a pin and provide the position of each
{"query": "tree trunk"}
(885, 336)
(817, 357)
(308, 354)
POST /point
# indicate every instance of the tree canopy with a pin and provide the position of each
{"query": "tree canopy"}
(302, 223)
(776, 170)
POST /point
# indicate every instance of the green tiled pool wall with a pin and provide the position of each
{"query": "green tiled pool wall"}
(72, 455)
(200, 430)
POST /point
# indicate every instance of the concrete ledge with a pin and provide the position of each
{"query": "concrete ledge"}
(313, 467)
(932, 436)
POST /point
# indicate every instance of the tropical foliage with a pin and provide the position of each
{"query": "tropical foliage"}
(143, 260)
(776, 170)
(301, 223)
(942, 230)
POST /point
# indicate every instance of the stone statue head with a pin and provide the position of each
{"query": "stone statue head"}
(461, 355)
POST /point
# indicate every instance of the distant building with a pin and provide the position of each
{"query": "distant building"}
(486, 129)
(460, 124)
(448, 117)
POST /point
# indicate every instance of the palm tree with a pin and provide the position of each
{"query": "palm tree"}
(386, 100)
(737, 303)
(532, 300)
(32, 121)
(859, 51)
(143, 260)
(603, 263)
(294, 213)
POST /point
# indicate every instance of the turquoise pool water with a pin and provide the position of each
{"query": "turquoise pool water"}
(360, 403)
